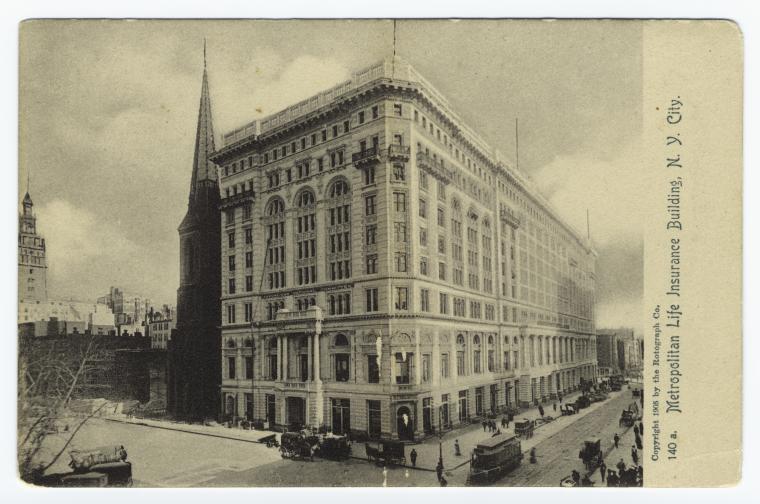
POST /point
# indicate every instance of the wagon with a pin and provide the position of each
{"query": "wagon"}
(334, 448)
(525, 428)
(494, 457)
(591, 454)
(391, 452)
(626, 419)
(296, 445)
(373, 454)
(119, 473)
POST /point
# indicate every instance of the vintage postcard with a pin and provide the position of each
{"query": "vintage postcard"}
(380, 253)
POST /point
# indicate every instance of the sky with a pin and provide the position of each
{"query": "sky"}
(108, 113)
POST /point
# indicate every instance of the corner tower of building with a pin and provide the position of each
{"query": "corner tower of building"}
(32, 262)
(195, 354)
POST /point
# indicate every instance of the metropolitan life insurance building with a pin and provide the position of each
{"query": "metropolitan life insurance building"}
(384, 271)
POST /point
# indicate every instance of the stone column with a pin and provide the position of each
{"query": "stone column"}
(279, 357)
(285, 358)
(417, 358)
(453, 358)
(435, 365)
(309, 358)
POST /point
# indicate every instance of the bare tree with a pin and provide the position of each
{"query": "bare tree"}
(50, 374)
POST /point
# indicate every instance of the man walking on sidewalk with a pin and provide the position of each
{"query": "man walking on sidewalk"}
(413, 456)
(602, 470)
(616, 439)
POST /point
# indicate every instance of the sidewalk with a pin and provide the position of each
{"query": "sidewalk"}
(469, 436)
(219, 431)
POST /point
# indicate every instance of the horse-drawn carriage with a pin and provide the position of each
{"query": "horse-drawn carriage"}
(298, 445)
(388, 452)
(630, 415)
(591, 454)
(525, 428)
(334, 447)
(494, 457)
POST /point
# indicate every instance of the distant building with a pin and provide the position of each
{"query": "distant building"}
(66, 316)
(619, 351)
(159, 326)
(32, 262)
(129, 310)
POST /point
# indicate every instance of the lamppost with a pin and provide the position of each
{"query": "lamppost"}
(440, 436)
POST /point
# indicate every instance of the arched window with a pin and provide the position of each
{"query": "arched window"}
(230, 343)
(460, 339)
(248, 343)
(275, 222)
(339, 230)
(476, 340)
(306, 238)
(490, 339)
(341, 340)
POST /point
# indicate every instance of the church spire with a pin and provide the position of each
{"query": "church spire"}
(203, 169)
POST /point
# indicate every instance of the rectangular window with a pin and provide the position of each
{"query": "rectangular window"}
(361, 117)
(341, 367)
(399, 201)
(423, 266)
(403, 367)
(230, 368)
(443, 303)
(371, 264)
(249, 259)
(397, 109)
(231, 314)
(231, 260)
(441, 271)
(231, 286)
(401, 266)
(248, 368)
(335, 131)
(248, 312)
(371, 235)
(369, 175)
(426, 368)
(247, 212)
(423, 237)
(375, 112)
(442, 245)
(231, 240)
(444, 365)
(460, 363)
(249, 283)
(346, 126)
(369, 205)
(423, 208)
(400, 232)
(373, 370)
(441, 217)
(402, 298)
(424, 300)
(371, 297)
(248, 236)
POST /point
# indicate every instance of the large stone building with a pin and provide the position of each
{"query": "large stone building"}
(385, 271)
(32, 261)
(194, 370)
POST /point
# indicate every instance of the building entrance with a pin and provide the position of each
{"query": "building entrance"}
(404, 423)
(296, 411)
(341, 416)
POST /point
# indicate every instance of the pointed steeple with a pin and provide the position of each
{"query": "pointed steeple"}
(203, 168)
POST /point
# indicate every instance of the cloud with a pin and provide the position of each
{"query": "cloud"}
(84, 254)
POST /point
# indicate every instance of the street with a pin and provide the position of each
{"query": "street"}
(162, 457)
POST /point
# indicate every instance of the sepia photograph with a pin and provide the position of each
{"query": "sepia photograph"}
(320, 253)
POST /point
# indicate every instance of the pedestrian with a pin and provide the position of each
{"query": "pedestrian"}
(616, 439)
(641, 428)
(485, 424)
(602, 470)
(634, 455)
(413, 456)
(541, 411)
(635, 430)
(457, 450)
(639, 443)
(555, 406)
(439, 470)
(504, 422)
(620, 466)
(612, 478)
(533, 459)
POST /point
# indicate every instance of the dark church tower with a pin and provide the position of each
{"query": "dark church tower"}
(195, 352)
